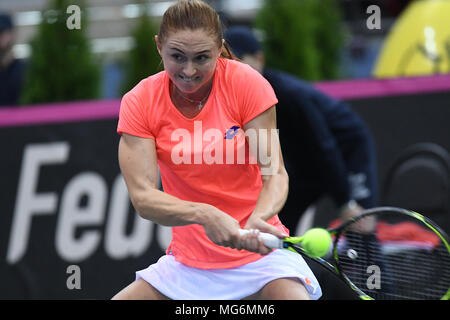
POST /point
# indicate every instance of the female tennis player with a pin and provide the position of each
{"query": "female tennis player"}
(195, 120)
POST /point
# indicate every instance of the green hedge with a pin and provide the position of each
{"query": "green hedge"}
(302, 37)
(61, 66)
(143, 59)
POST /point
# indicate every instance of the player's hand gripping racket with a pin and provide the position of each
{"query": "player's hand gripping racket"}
(401, 255)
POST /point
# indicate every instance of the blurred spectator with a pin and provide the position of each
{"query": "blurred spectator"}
(11, 69)
(326, 147)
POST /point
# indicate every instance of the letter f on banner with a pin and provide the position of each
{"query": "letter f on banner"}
(28, 201)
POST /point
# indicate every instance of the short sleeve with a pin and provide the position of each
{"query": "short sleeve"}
(133, 116)
(255, 94)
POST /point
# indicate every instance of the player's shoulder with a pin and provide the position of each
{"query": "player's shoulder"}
(240, 79)
(233, 64)
(146, 88)
(235, 70)
(149, 84)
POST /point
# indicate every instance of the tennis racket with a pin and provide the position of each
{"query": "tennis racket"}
(384, 253)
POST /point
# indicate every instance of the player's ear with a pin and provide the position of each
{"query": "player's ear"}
(158, 44)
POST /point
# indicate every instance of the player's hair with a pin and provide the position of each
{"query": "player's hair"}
(194, 15)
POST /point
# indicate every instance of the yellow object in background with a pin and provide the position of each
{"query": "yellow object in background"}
(419, 42)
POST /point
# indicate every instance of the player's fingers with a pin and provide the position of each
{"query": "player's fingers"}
(262, 249)
(266, 227)
(236, 243)
(250, 241)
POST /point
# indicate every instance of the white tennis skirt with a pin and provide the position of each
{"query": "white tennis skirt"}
(181, 282)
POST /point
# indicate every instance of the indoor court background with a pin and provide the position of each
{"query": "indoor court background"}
(64, 201)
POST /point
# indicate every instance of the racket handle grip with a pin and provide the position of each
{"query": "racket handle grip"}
(269, 240)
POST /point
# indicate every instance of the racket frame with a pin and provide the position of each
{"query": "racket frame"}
(337, 231)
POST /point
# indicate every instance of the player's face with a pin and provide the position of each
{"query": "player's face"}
(189, 58)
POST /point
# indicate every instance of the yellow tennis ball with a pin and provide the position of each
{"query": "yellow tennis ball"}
(316, 242)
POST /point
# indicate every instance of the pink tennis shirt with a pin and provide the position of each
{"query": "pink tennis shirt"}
(206, 158)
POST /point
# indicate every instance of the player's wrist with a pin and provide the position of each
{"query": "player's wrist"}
(260, 215)
(207, 214)
(202, 214)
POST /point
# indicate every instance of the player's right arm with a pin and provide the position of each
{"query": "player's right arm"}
(138, 163)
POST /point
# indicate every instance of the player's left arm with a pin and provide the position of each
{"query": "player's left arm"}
(273, 173)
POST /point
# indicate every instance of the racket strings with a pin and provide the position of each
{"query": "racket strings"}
(397, 280)
(401, 268)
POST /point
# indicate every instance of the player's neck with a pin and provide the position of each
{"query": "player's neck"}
(196, 100)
